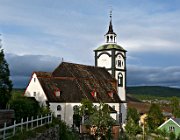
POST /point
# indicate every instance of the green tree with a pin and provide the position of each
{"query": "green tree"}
(102, 120)
(24, 107)
(98, 118)
(5, 82)
(175, 106)
(86, 108)
(172, 136)
(132, 127)
(133, 114)
(155, 117)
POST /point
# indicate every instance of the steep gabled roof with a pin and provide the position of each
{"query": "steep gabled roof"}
(81, 71)
(43, 74)
(175, 120)
(76, 82)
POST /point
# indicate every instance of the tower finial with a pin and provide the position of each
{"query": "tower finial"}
(110, 14)
(110, 35)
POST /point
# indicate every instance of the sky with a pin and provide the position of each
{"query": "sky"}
(36, 35)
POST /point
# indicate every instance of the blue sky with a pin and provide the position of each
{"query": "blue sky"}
(37, 34)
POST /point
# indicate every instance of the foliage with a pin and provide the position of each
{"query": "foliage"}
(132, 126)
(161, 133)
(132, 113)
(155, 117)
(175, 106)
(44, 110)
(98, 118)
(86, 107)
(24, 107)
(5, 82)
(172, 136)
(178, 137)
(102, 120)
(65, 132)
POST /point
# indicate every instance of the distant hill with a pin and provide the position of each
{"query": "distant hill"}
(156, 91)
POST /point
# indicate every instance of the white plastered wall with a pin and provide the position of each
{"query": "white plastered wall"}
(34, 89)
(67, 112)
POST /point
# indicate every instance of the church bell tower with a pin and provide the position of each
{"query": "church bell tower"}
(113, 57)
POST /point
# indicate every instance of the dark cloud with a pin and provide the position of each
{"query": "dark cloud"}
(163, 76)
(21, 67)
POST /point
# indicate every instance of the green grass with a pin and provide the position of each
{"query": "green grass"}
(17, 92)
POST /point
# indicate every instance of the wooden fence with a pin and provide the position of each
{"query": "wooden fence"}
(9, 131)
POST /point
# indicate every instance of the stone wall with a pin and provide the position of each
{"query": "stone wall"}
(50, 134)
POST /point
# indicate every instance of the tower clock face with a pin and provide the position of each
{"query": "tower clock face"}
(104, 61)
(119, 61)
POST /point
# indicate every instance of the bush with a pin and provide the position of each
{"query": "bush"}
(24, 107)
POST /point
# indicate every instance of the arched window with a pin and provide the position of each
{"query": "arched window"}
(107, 39)
(58, 108)
(59, 116)
(120, 79)
(114, 107)
(76, 109)
(111, 38)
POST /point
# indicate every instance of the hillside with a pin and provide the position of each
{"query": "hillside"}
(153, 91)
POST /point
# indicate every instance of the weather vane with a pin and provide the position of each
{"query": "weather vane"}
(110, 13)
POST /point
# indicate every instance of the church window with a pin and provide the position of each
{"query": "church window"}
(120, 79)
(59, 108)
(111, 38)
(75, 109)
(107, 38)
(34, 94)
(59, 116)
(113, 107)
(119, 63)
(34, 80)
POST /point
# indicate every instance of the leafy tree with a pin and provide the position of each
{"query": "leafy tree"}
(86, 108)
(24, 107)
(155, 117)
(133, 114)
(172, 136)
(132, 127)
(102, 120)
(5, 82)
(98, 118)
(65, 132)
(175, 106)
(178, 137)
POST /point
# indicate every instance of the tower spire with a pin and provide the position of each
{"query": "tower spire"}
(110, 31)
(110, 35)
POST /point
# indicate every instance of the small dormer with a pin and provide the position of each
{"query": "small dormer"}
(94, 93)
(110, 93)
(57, 92)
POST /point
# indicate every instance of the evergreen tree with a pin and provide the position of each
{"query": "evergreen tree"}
(132, 127)
(175, 106)
(5, 82)
(133, 114)
(155, 117)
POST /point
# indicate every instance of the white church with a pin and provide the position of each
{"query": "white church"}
(64, 88)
